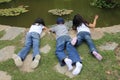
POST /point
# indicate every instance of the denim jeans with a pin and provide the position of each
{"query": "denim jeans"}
(32, 40)
(85, 36)
(63, 45)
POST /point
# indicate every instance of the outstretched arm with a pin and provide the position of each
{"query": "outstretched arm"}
(48, 30)
(45, 28)
(92, 25)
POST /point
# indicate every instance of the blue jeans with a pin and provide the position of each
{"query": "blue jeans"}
(85, 36)
(63, 43)
(32, 40)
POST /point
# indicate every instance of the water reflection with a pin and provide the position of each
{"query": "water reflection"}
(39, 8)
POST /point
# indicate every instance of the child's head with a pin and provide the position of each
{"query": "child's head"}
(39, 21)
(60, 20)
(78, 20)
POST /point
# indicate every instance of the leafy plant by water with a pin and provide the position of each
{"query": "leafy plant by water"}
(105, 3)
(60, 12)
(13, 11)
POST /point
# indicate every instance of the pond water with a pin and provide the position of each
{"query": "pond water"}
(39, 8)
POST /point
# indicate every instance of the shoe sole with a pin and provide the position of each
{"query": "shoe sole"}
(35, 62)
(17, 60)
(76, 69)
(98, 56)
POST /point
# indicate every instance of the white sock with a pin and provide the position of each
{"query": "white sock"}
(77, 69)
(68, 63)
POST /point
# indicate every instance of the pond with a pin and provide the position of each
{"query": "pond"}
(39, 8)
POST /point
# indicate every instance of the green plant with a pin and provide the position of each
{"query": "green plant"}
(105, 3)
(2, 1)
(60, 12)
(13, 11)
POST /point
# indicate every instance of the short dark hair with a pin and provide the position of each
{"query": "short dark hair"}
(60, 20)
(39, 21)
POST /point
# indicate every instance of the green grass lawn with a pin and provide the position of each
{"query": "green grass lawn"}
(107, 69)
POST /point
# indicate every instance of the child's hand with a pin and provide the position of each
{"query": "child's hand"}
(48, 31)
(74, 40)
(96, 16)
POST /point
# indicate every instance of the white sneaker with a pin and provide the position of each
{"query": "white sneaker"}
(17, 60)
(35, 62)
(68, 63)
(77, 69)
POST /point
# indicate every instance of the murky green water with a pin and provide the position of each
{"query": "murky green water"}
(39, 8)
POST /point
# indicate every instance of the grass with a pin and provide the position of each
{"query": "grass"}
(2, 33)
(107, 69)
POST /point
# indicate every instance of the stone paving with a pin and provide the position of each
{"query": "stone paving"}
(98, 33)
(12, 32)
(63, 70)
(45, 49)
(4, 76)
(26, 64)
(6, 53)
(108, 46)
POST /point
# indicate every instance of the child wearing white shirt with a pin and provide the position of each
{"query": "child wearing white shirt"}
(32, 40)
(84, 34)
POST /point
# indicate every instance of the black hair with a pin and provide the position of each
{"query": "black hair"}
(77, 21)
(39, 21)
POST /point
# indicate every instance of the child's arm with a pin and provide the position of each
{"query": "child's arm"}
(45, 28)
(48, 30)
(92, 25)
(52, 29)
